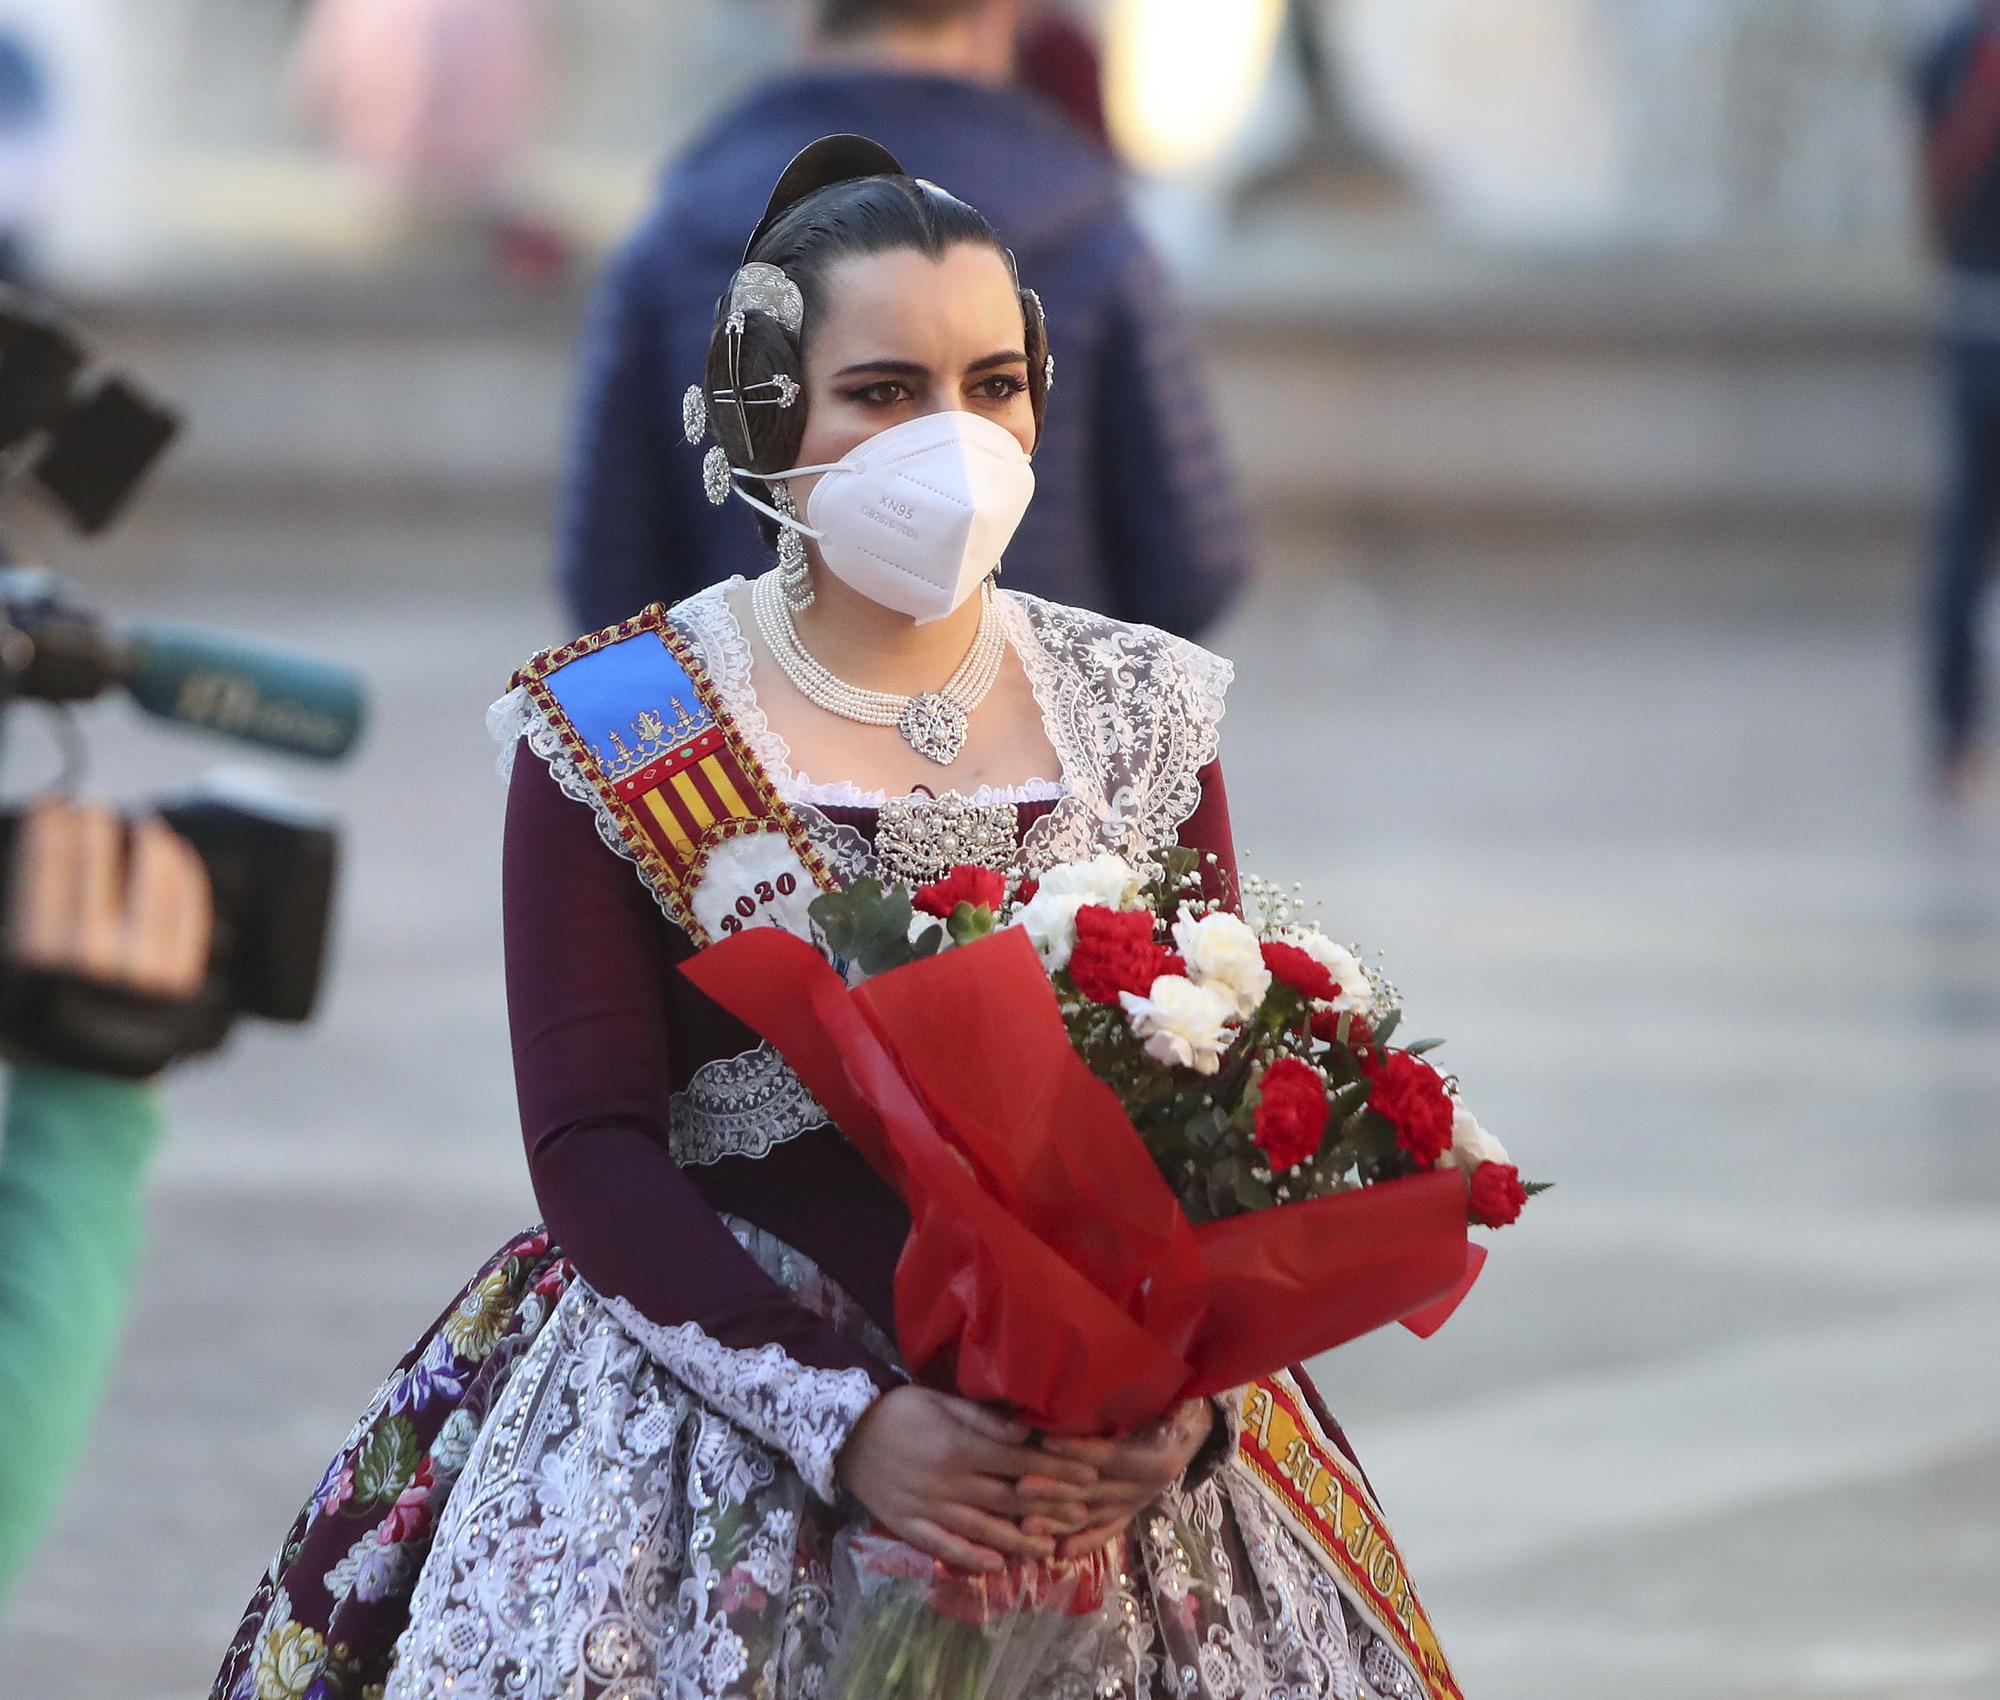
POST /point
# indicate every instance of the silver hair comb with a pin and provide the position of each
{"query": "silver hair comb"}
(760, 287)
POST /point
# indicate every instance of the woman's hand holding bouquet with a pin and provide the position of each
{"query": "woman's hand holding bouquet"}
(1133, 1471)
(962, 1482)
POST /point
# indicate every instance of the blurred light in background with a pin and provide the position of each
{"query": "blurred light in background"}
(1506, 110)
(1181, 76)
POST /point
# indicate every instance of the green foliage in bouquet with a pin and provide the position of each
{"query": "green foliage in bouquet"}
(870, 926)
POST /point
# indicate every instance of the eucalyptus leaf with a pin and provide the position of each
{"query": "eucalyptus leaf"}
(1205, 1128)
(867, 926)
(1349, 1098)
(1341, 1066)
(1252, 1193)
(1373, 1136)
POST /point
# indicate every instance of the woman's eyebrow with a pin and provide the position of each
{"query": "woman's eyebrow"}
(901, 368)
(1006, 357)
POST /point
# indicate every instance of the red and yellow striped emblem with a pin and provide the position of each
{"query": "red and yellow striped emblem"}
(686, 793)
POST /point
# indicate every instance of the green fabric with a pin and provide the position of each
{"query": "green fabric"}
(72, 1188)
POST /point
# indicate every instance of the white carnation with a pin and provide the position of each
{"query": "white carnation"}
(1105, 879)
(1049, 920)
(1357, 991)
(1182, 1024)
(1223, 954)
(1471, 1144)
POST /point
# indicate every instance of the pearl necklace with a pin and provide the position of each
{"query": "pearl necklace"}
(933, 723)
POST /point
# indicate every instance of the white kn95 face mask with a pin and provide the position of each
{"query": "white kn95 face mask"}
(916, 516)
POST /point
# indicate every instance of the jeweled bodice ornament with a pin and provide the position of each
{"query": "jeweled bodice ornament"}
(919, 839)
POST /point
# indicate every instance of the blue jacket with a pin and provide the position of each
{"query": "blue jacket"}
(1972, 237)
(1135, 511)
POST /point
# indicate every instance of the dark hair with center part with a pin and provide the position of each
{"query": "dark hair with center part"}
(864, 215)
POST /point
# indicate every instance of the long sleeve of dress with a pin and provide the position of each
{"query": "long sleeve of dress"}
(1207, 830)
(587, 999)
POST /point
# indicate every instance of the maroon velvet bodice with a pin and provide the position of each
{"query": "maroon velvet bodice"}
(606, 1029)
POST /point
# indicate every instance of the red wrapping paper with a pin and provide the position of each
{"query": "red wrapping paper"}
(1049, 1267)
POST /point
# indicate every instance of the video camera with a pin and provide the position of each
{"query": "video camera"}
(86, 438)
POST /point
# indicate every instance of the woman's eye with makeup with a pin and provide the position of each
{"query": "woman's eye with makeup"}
(884, 394)
(1002, 386)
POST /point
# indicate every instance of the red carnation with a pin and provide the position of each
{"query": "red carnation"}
(981, 887)
(1360, 1036)
(1411, 1094)
(1025, 891)
(1497, 1194)
(1291, 1113)
(1295, 968)
(1114, 953)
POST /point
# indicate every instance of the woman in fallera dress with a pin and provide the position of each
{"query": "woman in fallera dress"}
(617, 1464)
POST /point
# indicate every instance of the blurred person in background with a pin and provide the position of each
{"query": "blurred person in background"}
(1057, 57)
(1959, 94)
(1137, 513)
(438, 97)
(27, 143)
(134, 920)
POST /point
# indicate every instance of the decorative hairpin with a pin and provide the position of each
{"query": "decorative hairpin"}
(718, 477)
(694, 404)
(784, 383)
(764, 288)
(1048, 373)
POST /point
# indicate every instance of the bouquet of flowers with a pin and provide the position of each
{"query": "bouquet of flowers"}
(1252, 1053)
(1152, 1149)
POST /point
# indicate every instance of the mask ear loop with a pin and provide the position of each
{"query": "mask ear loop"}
(792, 521)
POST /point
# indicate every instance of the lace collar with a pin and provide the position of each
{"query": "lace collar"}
(1132, 714)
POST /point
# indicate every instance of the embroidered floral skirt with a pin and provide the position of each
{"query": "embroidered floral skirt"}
(535, 1505)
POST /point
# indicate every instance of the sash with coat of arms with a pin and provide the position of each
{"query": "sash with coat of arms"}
(636, 714)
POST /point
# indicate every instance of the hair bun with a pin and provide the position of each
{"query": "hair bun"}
(819, 165)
